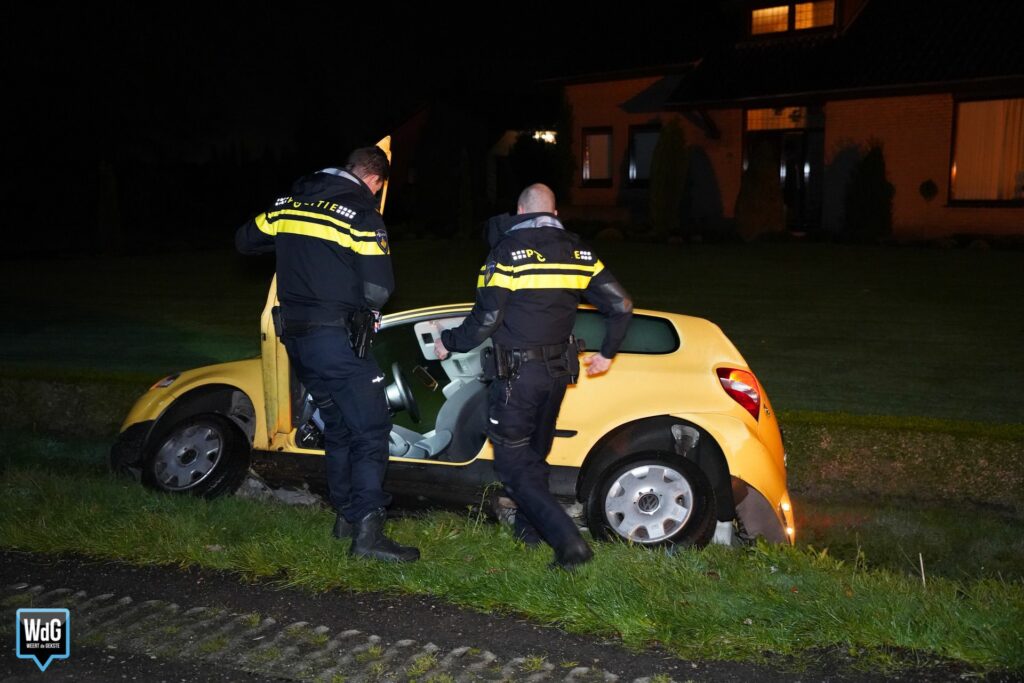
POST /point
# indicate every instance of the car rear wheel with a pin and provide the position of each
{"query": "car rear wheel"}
(204, 455)
(653, 499)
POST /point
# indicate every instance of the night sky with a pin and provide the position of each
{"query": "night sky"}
(164, 84)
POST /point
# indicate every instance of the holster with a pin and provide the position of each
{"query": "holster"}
(361, 330)
(565, 362)
(496, 363)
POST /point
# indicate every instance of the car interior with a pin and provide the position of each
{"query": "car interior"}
(439, 407)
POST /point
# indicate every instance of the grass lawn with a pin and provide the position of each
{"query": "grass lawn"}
(862, 330)
(896, 372)
(716, 603)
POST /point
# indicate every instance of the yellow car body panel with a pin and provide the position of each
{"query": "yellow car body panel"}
(245, 375)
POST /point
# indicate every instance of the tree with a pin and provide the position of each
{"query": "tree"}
(668, 179)
(536, 161)
(565, 162)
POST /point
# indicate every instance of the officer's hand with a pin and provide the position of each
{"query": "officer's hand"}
(439, 349)
(596, 364)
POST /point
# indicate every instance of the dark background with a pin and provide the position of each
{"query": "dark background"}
(166, 125)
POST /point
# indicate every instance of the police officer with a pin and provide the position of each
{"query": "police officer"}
(527, 296)
(333, 264)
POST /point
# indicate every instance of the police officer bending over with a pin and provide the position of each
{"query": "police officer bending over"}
(527, 295)
(334, 268)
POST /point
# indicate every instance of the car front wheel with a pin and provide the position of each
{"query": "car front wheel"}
(653, 499)
(204, 455)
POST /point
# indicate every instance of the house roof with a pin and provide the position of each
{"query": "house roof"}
(890, 48)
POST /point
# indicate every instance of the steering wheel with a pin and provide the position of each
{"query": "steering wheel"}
(399, 395)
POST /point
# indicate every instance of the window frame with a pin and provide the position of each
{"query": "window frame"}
(968, 203)
(597, 182)
(791, 28)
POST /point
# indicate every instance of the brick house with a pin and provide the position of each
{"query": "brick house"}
(939, 85)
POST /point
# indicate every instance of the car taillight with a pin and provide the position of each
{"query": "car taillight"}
(741, 385)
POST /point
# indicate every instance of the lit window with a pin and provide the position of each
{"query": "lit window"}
(814, 14)
(642, 141)
(777, 119)
(597, 155)
(548, 136)
(988, 151)
(770, 20)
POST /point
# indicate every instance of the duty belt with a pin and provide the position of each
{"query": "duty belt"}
(549, 352)
(299, 328)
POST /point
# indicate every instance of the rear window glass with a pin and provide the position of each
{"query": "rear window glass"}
(646, 334)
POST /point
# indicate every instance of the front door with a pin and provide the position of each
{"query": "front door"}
(797, 138)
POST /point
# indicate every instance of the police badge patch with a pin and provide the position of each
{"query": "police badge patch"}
(489, 271)
(382, 240)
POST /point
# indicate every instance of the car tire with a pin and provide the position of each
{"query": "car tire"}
(204, 455)
(653, 499)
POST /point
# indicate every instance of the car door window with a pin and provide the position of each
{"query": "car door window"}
(647, 334)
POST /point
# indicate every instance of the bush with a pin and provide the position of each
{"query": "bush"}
(668, 180)
(869, 197)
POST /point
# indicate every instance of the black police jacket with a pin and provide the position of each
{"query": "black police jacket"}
(529, 289)
(332, 248)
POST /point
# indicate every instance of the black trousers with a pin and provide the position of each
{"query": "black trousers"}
(350, 394)
(522, 414)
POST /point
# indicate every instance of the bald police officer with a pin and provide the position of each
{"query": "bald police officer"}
(527, 297)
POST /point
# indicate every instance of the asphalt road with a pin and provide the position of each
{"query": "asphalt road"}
(166, 624)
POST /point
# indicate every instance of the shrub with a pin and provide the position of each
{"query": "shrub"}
(869, 197)
(668, 179)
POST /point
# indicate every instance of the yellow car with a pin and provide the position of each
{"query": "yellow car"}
(676, 444)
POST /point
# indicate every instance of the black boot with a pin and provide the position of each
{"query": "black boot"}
(573, 554)
(368, 540)
(342, 527)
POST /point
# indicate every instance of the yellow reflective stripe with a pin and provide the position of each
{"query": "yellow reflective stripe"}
(324, 217)
(264, 225)
(328, 233)
(536, 281)
(498, 268)
(550, 281)
(497, 280)
(598, 267)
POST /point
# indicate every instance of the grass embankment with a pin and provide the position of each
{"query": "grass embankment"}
(716, 603)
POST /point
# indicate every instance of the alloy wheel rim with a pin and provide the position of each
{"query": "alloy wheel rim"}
(649, 504)
(187, 457)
